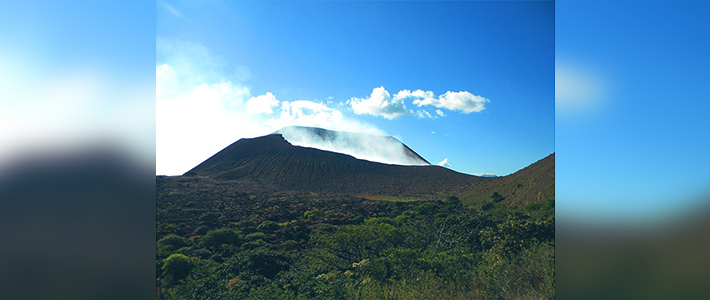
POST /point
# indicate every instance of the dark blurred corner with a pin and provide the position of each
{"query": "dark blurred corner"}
(77, 225)
(662, 260)
(77, 149)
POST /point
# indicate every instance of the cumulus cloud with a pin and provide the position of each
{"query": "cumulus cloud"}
(461, 101)
(419, 94)
(380, 103)
(262, 104)
(444, 163)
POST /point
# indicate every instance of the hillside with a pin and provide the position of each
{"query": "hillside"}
(533, 184)
(271, 162)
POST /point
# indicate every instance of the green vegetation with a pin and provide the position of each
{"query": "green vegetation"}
(290, 245)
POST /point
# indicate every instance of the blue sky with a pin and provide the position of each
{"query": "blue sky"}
(471, 82)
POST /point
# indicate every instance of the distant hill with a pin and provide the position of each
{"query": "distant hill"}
(535, 183)
(271, 162)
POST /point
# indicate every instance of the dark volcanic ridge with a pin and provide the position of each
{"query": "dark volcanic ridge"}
(273, 163)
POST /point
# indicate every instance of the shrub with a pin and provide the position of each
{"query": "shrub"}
(172, 242)
(267, 226)
(452, 202)
(497, 197)
(255, 236)
(313, 215)
(176, 267)
(165, 228)
(533, 206)
(218, 237)
(254, 244)
(202, 230)
(267, 263)
(549, 204)
(202, 253)
(290, 245)
(217, 258)
(210, 219)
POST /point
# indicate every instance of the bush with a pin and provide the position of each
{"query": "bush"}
(176, 267)
(202, 230)
(165, 228)
(497, 197)
(290, 245)
(313, 215)
(210, 219)
(452, 202)
(255, 244)
(219, 237)
(268, 226)
(255, 236)
(549, 204)
(533, 207)
(217, 258)
(202, 253)
(267, 263)
(172, 242)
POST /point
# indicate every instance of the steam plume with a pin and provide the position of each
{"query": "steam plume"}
(377, 148)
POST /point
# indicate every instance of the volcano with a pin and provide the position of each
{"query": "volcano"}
(273, 163)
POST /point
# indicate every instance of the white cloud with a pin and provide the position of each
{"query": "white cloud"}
(433, 132)
(419, 94)
(380, 103)
(462, 101)
(444, 163)
(262, 104)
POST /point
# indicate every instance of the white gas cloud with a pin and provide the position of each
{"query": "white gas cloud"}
(444, 163)
(262, 104)
(372, 147)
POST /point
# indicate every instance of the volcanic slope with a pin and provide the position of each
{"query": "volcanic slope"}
(533, 184)
(273, 163)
